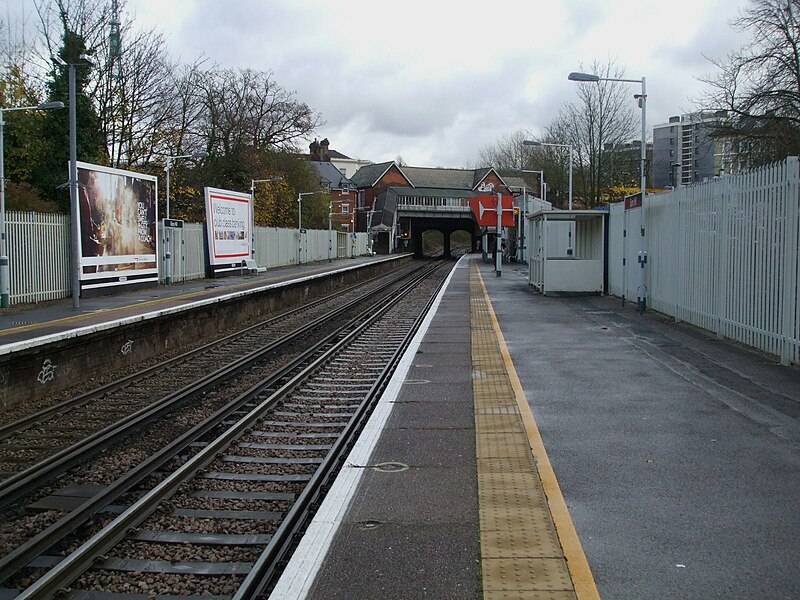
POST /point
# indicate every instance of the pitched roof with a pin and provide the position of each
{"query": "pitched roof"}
(330, 174)
(431, 192)
(368, 175)
(440, 178)
(479, 175)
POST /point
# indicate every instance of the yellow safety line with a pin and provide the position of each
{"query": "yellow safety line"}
(108, 311)
(581, 573)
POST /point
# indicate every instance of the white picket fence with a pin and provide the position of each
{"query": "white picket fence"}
(39, 252)
(722, 255)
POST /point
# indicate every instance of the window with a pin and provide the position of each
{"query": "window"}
(345, 188)
(672, 152)
(346, 208)
(671, 141)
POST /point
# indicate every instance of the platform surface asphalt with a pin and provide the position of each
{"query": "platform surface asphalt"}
(677, 456)
(29, 321)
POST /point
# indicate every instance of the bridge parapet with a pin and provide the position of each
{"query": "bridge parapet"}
(429, 202)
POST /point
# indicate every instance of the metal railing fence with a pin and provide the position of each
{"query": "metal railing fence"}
(722, 255)
(39, 252)
(38, 256)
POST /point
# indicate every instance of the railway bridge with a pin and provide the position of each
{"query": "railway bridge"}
(404, 202)
(411, 212)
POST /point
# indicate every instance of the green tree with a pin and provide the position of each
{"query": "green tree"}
(51, 170)
(22, 139)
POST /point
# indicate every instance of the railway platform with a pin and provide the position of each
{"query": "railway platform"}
(543, 447)
(58, 317)
(48, 348)
(538, 447)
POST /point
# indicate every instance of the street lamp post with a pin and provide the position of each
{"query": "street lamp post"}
(5, 279)
(253, 183)
(641, 298)
(330, 229)
(73, 175)
(300, 224)
(540, 173)
(167, 249)
(569, 205)
(569, 147)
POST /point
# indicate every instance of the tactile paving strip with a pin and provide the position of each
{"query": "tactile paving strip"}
(520, 550)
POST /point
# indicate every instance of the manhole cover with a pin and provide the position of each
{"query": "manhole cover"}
(390, 467)
(367, 525)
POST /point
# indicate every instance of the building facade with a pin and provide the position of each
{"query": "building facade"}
(342, 191)
(686, 149)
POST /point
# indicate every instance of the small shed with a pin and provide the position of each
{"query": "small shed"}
(567, 250)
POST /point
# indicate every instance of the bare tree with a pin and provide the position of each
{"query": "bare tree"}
(759, 84)
(596, 125)
(248, 108)
(507, 153)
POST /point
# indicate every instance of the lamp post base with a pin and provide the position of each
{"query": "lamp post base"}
(5, 287)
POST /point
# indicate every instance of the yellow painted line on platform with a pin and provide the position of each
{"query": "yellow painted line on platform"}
(532, 564)
(117, 309)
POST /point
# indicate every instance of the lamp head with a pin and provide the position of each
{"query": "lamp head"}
(59, 61)
(576, 76)
(49, 105)
(531, 143)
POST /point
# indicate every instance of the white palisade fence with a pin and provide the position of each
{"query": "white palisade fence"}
(39, 252)
(38, 256)
(722, 255)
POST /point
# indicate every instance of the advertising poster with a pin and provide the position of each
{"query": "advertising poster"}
(228, 223)
(117, 232)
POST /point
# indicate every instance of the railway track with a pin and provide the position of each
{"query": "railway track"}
(238, 481)
(47, 443)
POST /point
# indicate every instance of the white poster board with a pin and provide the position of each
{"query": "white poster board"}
(228, 219)
(117, 233)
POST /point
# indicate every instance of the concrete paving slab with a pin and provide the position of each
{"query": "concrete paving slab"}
(427, 447)
(418, 495)
(439, 370)
(403, 564)
(454, 392)
(448, 335)
(444, 414)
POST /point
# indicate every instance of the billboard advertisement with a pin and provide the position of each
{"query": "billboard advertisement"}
(117, 227)
(228, 220)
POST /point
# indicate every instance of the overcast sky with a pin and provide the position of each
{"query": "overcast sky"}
(437, 80)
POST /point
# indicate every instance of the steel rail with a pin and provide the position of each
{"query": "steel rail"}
(20, 556)
(265, 568)
(24, 482)
(82, 558)
(18, 425)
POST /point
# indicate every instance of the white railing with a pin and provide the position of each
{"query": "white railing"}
(39, 252)
(722, 255)
(448, 204)
(38, 256)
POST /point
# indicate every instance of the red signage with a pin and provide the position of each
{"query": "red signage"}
(485, 210)
(634, 201)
